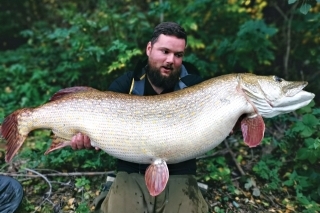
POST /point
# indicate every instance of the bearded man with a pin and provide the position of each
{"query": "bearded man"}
(162, 72)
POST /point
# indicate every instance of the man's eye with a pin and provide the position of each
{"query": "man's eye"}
(165, 51)
(278, 79)
(179, 55)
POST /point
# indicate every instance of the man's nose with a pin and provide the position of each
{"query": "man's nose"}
(170, 58)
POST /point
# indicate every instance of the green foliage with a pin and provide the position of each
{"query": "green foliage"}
(307, 159)
(252, 38)
(303, 177)
(58, 44)
(268, 169)
(217, 169)
(66, 158)
(82, 183)
(83, 208)
(124, 55)
(304, 5)
(26, 206)
(292, 168)
(78, 51)
(251, 184)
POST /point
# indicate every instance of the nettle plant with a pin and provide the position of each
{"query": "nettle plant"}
(298, 172)
(305, 176)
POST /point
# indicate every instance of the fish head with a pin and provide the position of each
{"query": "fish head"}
(272, 95)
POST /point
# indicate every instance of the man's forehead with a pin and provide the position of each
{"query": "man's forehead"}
(171, 42)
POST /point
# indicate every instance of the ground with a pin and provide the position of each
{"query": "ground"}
(66, 191)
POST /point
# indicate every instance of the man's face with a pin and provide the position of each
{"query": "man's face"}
(165, 60)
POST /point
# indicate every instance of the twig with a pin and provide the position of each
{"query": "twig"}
(234, 159)
(44, 177)
(161, 14)
(63, 184)
(268, 198)
(58, 174)
(49, 170)
(287, 55)
(4, 166)
(288, 35)
(221, 152)
(280, 11)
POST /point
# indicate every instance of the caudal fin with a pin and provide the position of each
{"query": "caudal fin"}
(10, 132)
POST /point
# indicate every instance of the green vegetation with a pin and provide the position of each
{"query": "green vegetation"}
(47, 45)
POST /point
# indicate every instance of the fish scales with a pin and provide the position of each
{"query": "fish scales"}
(174, 127)
(160, 129)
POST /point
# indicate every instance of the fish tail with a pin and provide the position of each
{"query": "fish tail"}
(14, 132)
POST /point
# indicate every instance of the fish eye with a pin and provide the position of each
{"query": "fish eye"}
(278, 79)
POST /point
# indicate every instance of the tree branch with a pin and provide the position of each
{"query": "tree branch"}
(288, 35)
(221, 152)
(234, 158)
(45, 178)
(58, 174)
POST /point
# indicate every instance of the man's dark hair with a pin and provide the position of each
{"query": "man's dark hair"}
(168, 28)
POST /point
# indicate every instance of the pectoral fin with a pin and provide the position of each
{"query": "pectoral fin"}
(156, 177)
(253, 130)
(57, 143)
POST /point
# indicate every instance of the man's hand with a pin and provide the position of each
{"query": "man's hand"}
(80, 141)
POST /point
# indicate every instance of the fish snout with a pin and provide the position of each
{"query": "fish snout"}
(288, 104)
(300, 99)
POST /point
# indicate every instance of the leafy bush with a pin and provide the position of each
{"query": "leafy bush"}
(63, 159)
(68, 43)
(297, 169)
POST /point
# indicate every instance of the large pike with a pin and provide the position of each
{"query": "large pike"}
(160, 129)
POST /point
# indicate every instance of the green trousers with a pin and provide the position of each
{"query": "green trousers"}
(129, 193)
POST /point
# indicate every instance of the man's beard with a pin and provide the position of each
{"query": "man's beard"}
(158, 80)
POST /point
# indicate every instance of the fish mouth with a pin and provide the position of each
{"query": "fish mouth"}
(283, 97)
(300, 99)
(290, 103)
(294, 96)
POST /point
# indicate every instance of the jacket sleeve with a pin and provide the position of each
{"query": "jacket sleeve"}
(122, 84)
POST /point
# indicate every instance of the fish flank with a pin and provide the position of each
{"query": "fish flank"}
(199, 119)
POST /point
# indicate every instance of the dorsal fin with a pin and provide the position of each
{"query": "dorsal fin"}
(63, 92)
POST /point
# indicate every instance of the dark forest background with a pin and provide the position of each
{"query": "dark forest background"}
(46, 45)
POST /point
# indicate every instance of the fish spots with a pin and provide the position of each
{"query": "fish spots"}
(144, 151)
(181, 116)
(225, 100)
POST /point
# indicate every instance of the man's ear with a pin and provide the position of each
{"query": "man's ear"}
(148, 48)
